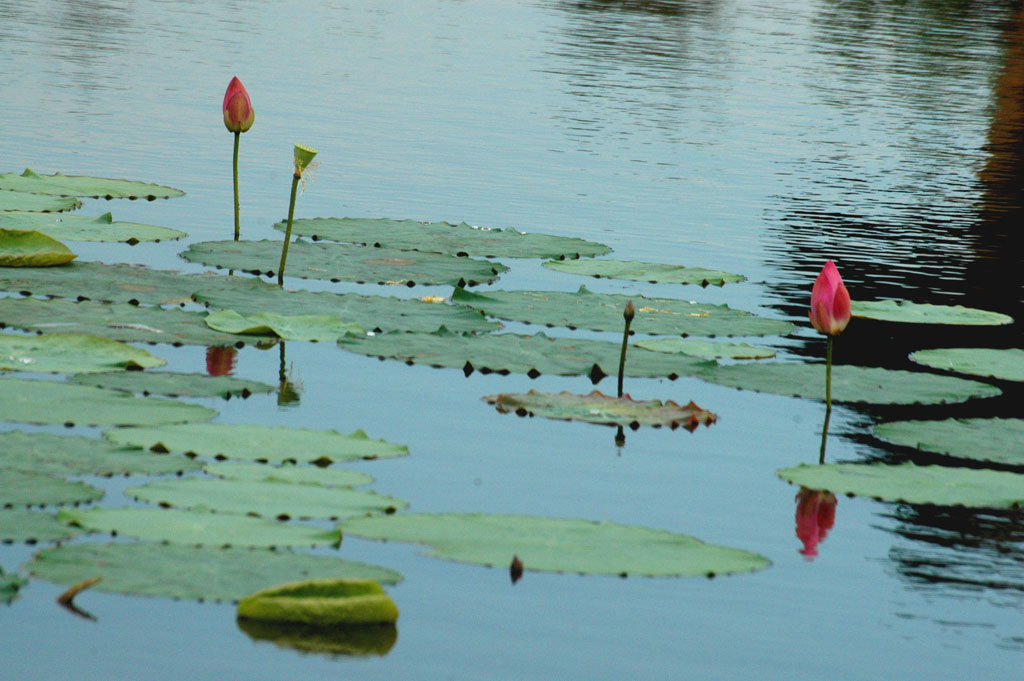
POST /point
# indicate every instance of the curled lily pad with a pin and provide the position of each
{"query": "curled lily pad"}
(1006, 364)
(321, 602)
(22, 488)
(295, 474)
(645, 271)
(36, 202)
(558, 544)
(923, 313)
(444, 237)
(705, 349)
(980, 439)
(174, 384)
(940, 485)
(71, 353)
(80, 185)
(85, 228)
(19, 525)
(198, 573)
(75, 455)
(310, 327)
(27, 248)
(604, 409)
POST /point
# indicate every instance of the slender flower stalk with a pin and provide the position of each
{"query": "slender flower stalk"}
(238, 118)
(627, 314)
(829, 314)
(303, 157)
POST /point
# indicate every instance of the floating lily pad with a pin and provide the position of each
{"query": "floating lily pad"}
(340, 262)
(21, 248)
(264, 498)
(71, 353)
(18, 525)
(308, 327)
(444, 237)
(22, 488)
(514, 353)
(174, 384)
(75, 455)
(197, 528)
(996, 440)
(922, 313)
(300, 475)
(645, 271)
(80, 185)
(940, 485)
(121, 322)
(85, 228)
(321, 602)
(259, 443)
(9, 586)
(171, 571)
(705, 349)
(870, 385)
(52, 402)
(603, 312)
(36, 202)
(558, 545)
(604, 409)
(1006, 364)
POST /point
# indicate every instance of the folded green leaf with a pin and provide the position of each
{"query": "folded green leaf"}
(321, 602)
(21, 248)
(309, 327)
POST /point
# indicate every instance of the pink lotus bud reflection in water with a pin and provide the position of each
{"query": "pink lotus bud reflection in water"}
(815, 516)
(220, 360)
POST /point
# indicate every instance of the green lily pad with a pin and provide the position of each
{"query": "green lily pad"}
(197, 528)
(870, 385)
(80, 185)
(259, 443)
(264, 498)
(36, 202)
(514, 353)
(85, 228)
(558, 545)
(604, 409)
(121, 322)
(18, 525)
(321, 602)
(444, 237)
(705, 349)
(603, 312)
(174, 384)
(22, 488)
(939, 485)
(980, 439)
(25, 401)
(922, 313)
(294, 474)
(645, 271)
(21, 248)
(75, 455)
(170, 571)
(71, 353)
(308, 327)
(1006, 364)
(341, 262)
(9, 586)
(360, 640)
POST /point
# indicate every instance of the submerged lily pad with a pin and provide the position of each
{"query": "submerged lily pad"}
(259, 443)
(75, 455)
(870, 385)
(922, 313)
(558, 545)
(170, 571)
(444, 237)
(197, 528)
(36, 202)
(174, 384)
(981, 439)
(9, 586)
(294, 474)
(21, 248)
(18, 525)
(645, 271)
(940, 485)
(308, 327)
(25, 401)
(340, 262)
(85, 228)
(705, 349)
(603, 312)
(264, 498)
(1006, 364)
(80, 185)
(514, 353)
(604, 409)
(22, 488)
(321, 602)
(71, 353)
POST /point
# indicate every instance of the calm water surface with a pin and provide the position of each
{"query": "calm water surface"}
(754, 137)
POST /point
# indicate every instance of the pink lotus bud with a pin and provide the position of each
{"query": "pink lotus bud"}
(830, 301)
(238, 111)
(815, 516)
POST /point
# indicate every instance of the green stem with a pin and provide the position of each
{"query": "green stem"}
(828, 398)
(288, 231)
(622, 355)
(234, 167)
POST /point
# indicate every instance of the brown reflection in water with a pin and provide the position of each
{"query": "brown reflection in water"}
(364, 640)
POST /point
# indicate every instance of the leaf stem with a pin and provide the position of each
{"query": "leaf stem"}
(288, 231)
(234, 167)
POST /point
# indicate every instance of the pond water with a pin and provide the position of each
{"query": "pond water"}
(752, 137)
